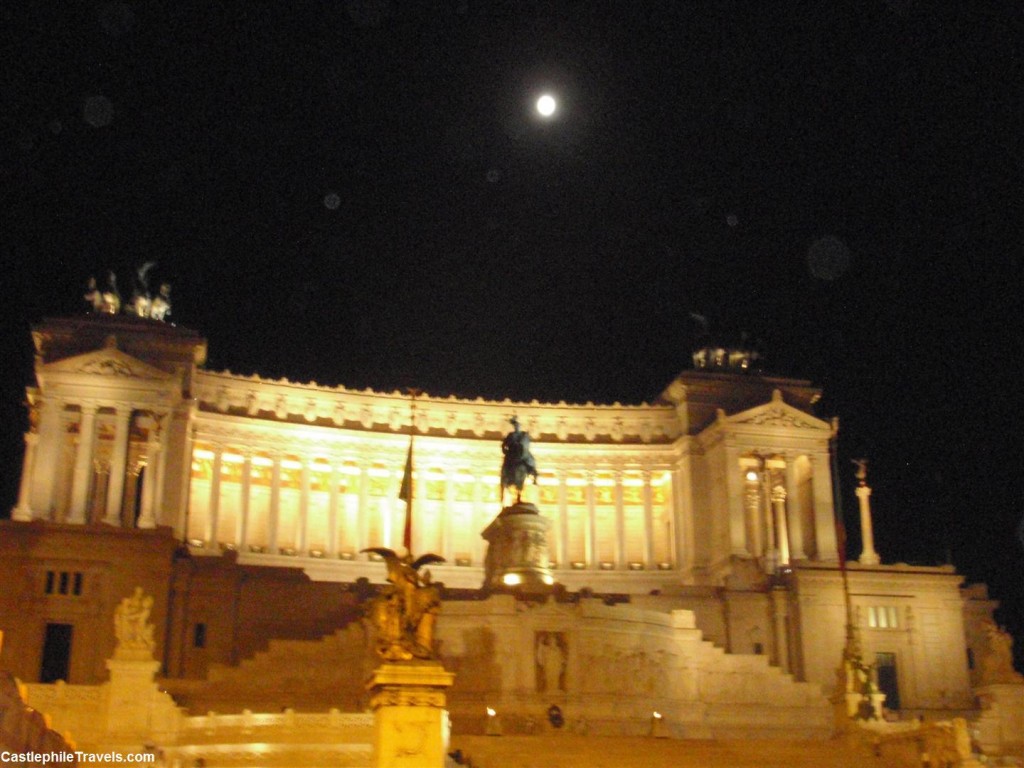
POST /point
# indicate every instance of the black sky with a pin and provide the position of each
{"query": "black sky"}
(359, 193)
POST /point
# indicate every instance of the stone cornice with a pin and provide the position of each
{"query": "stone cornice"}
(367, 410)
(247, 434)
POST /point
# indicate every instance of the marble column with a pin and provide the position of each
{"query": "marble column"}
(213, 506)
(771, 559)
(447, 518)
(81, 482)
(868, 555)
(302, 522)
(333, 478)
(47, 456)
(363, 519)
(23, 510)
(245, 492)
(752, 503)
(648, 493)
(794, 513)
(683, 541)
(826, 546)
(779, 505)
(620, 523)
(563, 522)
(147, 519)
(591, 535)
(735, 494)
(118, 465)
(275, 503)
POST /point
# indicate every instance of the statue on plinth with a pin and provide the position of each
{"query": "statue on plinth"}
(405, 611)
(517, 544)
(519, 463)
(132, 628)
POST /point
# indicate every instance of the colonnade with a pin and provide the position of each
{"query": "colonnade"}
(307, 504)
(783, 501)
(95, 488)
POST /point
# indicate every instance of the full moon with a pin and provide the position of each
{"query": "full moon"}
(546, 105)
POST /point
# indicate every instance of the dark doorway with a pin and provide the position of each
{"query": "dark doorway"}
(56, 653)
(888, 680)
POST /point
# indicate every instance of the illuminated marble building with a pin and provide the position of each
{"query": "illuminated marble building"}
(717, 498)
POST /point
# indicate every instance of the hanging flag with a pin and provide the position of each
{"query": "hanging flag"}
(405, 494)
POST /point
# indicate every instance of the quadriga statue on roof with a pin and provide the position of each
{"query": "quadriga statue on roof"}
(518, 463)
(142, 303)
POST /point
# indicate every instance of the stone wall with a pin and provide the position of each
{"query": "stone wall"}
(609, 669)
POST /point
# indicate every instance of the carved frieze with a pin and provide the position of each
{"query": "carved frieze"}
(107, 366)
(407, 697)
(778, 417)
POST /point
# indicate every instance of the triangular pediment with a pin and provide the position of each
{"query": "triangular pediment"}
(778, 413)
(108, 362)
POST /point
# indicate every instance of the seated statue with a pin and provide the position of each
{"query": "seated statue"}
(132, 629)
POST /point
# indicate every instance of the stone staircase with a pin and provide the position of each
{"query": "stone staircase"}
(302, 675)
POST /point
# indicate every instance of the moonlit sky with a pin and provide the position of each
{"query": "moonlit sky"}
(363, 193)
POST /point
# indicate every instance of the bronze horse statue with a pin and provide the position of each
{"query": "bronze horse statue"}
(519, 463)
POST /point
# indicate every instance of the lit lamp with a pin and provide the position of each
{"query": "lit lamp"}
(658, 728)
(493, 725)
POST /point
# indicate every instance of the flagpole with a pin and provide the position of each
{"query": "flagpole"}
(407, 492)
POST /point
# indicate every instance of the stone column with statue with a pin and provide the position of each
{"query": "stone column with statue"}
(407, 691)
(517, 539)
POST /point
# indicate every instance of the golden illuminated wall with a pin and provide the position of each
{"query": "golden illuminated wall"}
(320, 501)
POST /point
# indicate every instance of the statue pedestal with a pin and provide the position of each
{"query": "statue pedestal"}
(410, 722)
(517, 551)
(131, 695)
(850, 702)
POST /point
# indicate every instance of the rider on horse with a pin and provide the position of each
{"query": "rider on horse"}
(518, 463)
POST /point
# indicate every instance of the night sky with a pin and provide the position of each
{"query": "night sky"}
(362, 193)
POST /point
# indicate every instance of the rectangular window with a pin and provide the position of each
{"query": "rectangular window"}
(199, 636)
(883, 617)
(76, 587)
(63, 582)
(51, 577)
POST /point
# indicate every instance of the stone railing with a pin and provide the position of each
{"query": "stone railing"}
(286, 738)
(943, 744)
(288, 725)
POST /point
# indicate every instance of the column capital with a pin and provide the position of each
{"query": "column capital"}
(778, 494)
